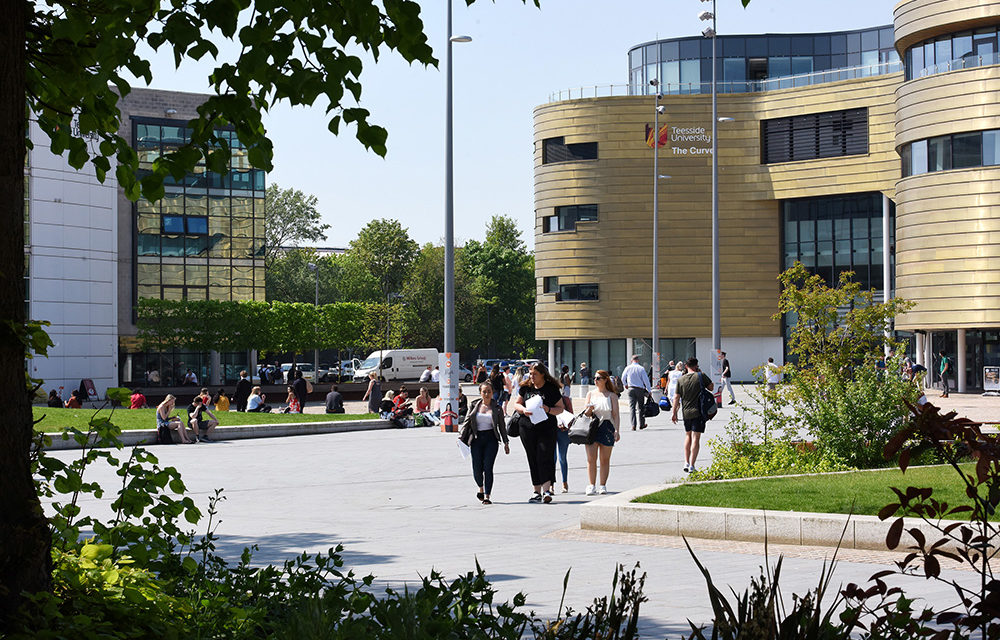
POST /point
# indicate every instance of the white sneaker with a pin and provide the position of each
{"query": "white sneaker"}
(601, 490)
(589, 491)
(687, 468)
(691, 469)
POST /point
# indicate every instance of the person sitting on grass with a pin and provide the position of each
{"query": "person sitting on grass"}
(221, 400)
(385, 408)
(196, 417)
(54, 400)
(255, 403)
(334, 401)
(291, 402)
(173, 423)
(423, 407)
(138, 401)
(74, 401)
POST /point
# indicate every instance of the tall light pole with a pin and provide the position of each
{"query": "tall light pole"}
(315, 269)
(447, 386)
(709, 32)
(657, 110)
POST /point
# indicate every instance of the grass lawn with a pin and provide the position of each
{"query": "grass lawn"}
(868, 491)
(57, 419)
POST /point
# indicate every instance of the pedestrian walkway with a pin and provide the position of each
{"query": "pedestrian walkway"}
(402, 502)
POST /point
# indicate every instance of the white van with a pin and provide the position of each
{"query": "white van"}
(397, 364)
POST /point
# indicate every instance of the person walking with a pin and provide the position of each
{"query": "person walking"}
(773, 374)
(675, 374)
(374, 393)
(301, 390)
(603, 403)
(243, 388)
(727, 375)
(562, 428)
(584, 373)
(945, 370)
(483, 428)
(541, 392)
(688, 399)
(496, 379)
(637, 386)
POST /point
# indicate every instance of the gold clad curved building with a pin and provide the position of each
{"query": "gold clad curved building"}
(816, 128)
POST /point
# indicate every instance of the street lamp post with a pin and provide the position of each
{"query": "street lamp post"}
(709, 32)
(315, 269)
(449, 212)
(657, 110)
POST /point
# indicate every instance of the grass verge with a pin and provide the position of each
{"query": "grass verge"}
(867, 491)
(55, 420)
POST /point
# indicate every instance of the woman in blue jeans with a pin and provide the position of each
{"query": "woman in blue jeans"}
(484, 424)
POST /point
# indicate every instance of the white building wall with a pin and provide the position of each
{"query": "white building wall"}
(745, 354)
(72, 263)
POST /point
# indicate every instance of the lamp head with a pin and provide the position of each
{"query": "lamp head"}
(660, 109)
(708, 32)
(706, 15)
(654, 82)
(460, 39)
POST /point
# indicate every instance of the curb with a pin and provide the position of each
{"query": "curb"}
(148, 436)
(619, 514)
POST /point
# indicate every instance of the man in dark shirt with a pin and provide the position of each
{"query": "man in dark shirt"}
(202, 428)
(334, 401)
(688, 398)
(242, 392)
(301, 392)
(727, 374)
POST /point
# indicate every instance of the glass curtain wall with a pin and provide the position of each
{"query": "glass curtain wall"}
(598, 354)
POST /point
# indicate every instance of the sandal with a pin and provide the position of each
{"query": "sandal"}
(487, 501)
(480, 495)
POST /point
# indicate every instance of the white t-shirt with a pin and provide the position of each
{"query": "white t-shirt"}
(436, 375)
(773, 376)
(425, 376)
(672, 379)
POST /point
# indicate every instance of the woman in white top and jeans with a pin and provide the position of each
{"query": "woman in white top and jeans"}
(603, 403)
(484, 423)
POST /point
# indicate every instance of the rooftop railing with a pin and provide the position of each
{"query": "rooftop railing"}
(751, 86)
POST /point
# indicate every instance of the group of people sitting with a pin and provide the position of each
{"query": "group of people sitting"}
(398, 409)
(200, 426)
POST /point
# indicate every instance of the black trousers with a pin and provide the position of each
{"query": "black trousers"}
(539, 442)
(484, 453)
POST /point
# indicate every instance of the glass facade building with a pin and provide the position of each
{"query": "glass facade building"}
(747, 63)
(961, 50)
(204, 240)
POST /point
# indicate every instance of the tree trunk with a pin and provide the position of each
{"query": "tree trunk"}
(25, 559)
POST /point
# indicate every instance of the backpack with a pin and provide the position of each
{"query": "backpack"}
(706, 402)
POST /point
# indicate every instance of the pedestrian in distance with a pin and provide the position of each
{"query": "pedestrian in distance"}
(688, 401)
(137, 400)
(373, 394)
(301, 388)
(497, 381)
(173, 423)
(637, 386)
(584, 373)
(54, 401)
(566, 380)
(539, 438)
(562, 428)
(773, 374)
(201, 427)
(243, 388)
(335, 401)
(675, 374)
(945, 372)
(603, 403)
(727, 374)
(483, 430)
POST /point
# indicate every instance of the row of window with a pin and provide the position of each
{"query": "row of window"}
(954, 51)
(178, 202)
(815, 135)
(566, 217)
(568, 292)
(556, 150)
(955, 151)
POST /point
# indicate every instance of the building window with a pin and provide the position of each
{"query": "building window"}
(550, 284)
(955, 151)
(962, 50)
(189, 225)
(566, 217)
(556, 150)
(817, 135)
(576, 292)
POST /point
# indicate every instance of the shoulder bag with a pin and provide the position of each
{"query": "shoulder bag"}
(706, 401)
(582, 428)
(650, 409)
(514, 425)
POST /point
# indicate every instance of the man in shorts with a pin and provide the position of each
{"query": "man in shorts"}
(687, 398)
(196, 418)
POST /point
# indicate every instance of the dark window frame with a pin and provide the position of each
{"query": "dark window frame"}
(581, 292)
(555, 150)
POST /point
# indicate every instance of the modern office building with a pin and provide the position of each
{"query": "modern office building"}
(91, 253)
(829, 153)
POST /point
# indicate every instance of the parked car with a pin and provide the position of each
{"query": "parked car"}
(305, 367)
(464, 374)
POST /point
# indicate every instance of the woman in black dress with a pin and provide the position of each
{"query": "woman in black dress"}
(539, 439)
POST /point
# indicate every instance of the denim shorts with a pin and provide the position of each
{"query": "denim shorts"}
(605, 434)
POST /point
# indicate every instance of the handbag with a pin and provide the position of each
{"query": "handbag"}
(650, 409)
(706, 402)
(514, 425)
(468, 435)
(582, 428)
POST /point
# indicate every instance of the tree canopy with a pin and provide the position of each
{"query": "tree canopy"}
(292, 219)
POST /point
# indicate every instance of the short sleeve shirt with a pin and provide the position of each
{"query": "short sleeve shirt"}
(550, 393)
(195, 411)
(689, 387)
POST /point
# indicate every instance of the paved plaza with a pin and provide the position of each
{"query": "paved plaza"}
(402, 502)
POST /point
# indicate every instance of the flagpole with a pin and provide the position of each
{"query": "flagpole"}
(655, 346)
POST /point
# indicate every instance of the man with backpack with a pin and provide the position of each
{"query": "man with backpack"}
(688, 398)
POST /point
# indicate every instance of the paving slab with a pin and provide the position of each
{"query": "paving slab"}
(402, 502)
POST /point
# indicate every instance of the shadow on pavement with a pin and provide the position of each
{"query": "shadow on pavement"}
(276, 548)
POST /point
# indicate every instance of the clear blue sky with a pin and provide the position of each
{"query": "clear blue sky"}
(519, 55)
